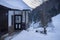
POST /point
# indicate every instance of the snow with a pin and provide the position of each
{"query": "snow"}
(34, 3)
(21, 4)
(14, 4)
(34, 24)
(30, 35)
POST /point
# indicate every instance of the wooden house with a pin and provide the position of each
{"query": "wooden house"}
(12, 19)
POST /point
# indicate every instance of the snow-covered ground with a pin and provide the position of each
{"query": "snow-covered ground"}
(32, 35)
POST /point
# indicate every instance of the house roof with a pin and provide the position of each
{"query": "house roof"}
(7, 8)
(14, 4)
(34, 3)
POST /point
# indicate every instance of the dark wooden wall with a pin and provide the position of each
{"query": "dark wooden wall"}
(3, 20)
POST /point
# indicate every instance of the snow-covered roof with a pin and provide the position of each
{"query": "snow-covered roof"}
(14, 4)
(34, 3)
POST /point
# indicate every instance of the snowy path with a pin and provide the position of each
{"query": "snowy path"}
(31, 35)
(24, 35)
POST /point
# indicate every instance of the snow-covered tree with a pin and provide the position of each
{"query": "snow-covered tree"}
(45, 12)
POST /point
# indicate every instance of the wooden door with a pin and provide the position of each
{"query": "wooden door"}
(17, 22)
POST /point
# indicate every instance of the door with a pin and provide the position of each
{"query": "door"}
(17, 22)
